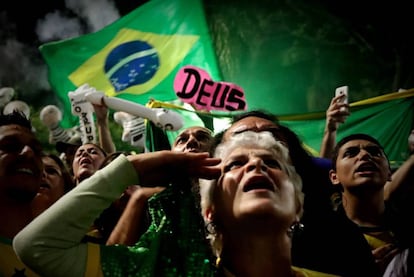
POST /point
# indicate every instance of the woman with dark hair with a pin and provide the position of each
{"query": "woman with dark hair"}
(56, 181)
(254, 207)
(52, 243)
(87, 160)
(323, 232)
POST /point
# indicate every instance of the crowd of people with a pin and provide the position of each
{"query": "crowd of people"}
(247, 201)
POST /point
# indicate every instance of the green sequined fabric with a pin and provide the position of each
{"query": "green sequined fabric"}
(173, 245)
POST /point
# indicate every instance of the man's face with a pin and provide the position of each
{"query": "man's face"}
(193, 139)
(361, 163)
(21, 166)
(256, 124)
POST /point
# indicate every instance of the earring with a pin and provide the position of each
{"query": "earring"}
(210, 228)
(295, 228)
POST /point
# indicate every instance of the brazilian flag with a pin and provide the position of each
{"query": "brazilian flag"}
(136, 57)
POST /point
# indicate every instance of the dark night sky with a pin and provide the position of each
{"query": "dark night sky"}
(25, 28)
(22, 21)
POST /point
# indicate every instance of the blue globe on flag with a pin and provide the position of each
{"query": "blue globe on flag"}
(130, 64)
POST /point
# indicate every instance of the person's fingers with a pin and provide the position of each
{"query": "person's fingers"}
(382, 251)
(103, 102)
(383, 255)
(338, 98)
(338, 114)
(163, 166)
(391, 254)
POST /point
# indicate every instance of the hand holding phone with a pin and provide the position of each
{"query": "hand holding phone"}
(342, 91)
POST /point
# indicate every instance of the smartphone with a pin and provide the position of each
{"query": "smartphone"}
(342, 91)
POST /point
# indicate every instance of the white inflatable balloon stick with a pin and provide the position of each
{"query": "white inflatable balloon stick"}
(51, 116)
(18, 105)
(134, 130)
(163, 118)
(6, 95)
(84, 109)
(167, 119)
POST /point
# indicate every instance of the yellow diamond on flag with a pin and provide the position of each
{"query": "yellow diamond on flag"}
(133, 62)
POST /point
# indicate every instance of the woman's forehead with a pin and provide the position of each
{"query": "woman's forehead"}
(48, 160)
(252, 123)
(247, 150)
(88, 146)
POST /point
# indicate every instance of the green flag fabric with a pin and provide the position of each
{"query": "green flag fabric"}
(136, 57)
(388, 118)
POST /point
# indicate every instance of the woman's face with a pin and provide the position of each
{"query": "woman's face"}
(254, 187)
(52, 186)
(88, 159)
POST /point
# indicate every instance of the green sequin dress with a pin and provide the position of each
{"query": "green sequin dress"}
(173, 245)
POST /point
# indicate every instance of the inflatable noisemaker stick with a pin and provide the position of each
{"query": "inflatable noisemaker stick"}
(51, 116)
(17, 105)
(84, 109)
(162, 118)
(6, 95)
(134, 130)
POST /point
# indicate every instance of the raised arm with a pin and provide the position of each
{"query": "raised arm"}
(52, 243)
(401, 178)
(334, 117)
(104, 133)
(131, 222)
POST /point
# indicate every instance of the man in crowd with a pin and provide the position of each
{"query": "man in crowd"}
(21, 171)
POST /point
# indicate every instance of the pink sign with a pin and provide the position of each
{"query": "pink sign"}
(194, 86)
